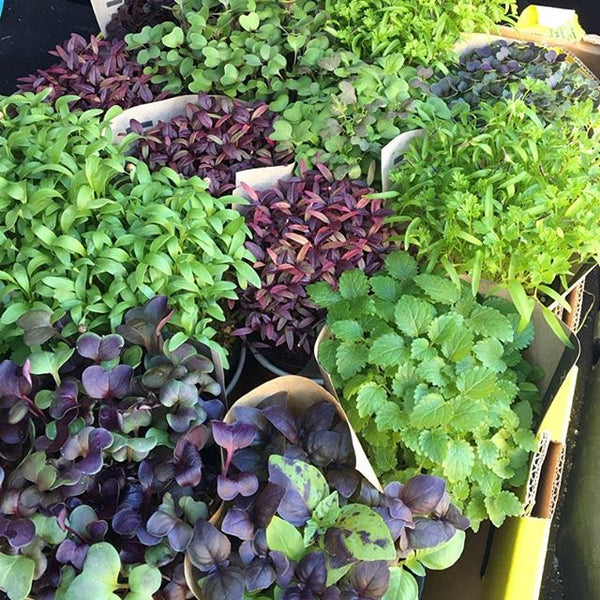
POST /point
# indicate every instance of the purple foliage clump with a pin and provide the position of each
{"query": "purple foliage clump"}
(100, 72)
(106, 438)
(307, 229)
(215, 138)
(133, 15)
(299, 467)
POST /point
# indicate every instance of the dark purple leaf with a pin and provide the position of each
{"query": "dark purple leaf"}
(267, 503)
(233, 437)
(423, 493)
(370, 579)
(237, 522)
(18, 532)
(224, 584)
(244, 484)
(72, 552)
(208, 547)
(99, 349)
(259, 575)
(281, 418)
(105, 385)
(427, 533)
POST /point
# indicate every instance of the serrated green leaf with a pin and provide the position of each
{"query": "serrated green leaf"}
(385, 287)
(526, 439)
(369, 399)
(458, 461)
(458, 344)
(477, 383)
(387, 350)
(390, 417)
(401, 265)
(353, 285)
(430, 411)
(322, 294)
(487, 451)
(502, 505)
(433, 371)
(327, 354)
(439, 289)
(433, 445)
(347, 330)
(350, 359)
(490, 352)
(488, 321)
(413, 315)
(468, 414)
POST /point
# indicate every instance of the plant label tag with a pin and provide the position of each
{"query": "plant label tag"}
(104, 10)
(391, 154)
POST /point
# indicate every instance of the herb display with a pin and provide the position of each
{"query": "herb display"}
(433, 379)
(424, 31)
(302, 523)
(543, 78)
(134, 15)
(100, 72)
(504, 197)
(307, 229)
(93, 239)
(106, 458)
(215, 138)
(331, 102)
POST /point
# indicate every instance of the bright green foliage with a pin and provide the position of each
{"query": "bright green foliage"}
(423, 30)
(87, 236)
(330, 101)
(504, 197)
(16, 575)
(100, 578)
(436, 382)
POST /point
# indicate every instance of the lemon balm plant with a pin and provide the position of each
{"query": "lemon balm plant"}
(93, 233)
(433, 381)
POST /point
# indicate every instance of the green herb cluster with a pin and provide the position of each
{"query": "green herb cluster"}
(92, 235)
(433, 379)
(331, 102)
(499, 195)
(423, 30)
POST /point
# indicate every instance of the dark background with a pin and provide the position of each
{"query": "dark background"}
(29, 28)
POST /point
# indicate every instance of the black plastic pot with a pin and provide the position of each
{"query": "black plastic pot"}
(279, 362)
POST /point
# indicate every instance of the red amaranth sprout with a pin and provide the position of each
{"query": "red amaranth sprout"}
(307, 229)
(215, 138)
(100, 72)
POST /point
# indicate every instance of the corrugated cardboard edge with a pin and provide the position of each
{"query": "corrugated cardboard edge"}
(104, 10)
(516, 566)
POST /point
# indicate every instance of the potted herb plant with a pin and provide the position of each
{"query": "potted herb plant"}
(125, 234)
(106, 458)
(304, 229)
(433, 380)
(300, 521)
(500, 195)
